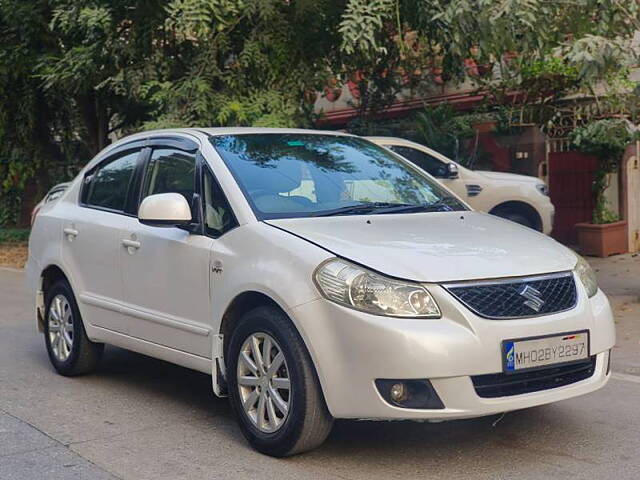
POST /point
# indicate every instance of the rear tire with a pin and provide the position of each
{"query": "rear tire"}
(307, 421)
(70, 351)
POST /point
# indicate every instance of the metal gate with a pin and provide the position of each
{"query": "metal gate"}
(571, 176)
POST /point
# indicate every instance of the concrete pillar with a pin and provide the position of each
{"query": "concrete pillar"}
(630, 194)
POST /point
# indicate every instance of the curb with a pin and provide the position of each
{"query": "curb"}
(11, 269)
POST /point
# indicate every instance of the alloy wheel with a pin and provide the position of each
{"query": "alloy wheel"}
(60, 324)
(263, 382)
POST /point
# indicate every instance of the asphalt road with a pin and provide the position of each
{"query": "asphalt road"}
(140, 418)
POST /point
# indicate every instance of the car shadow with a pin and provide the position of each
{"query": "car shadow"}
(193, 390)
(163, 379)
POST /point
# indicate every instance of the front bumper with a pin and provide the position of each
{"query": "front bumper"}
(351, 350)
(547, 214)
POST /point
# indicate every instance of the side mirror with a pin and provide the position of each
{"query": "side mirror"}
(452, 170)
(165, 210)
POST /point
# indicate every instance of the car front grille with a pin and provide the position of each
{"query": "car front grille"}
(518, 298)
(503, 385)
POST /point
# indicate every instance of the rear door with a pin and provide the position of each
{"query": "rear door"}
(90, 246)
(165, 274)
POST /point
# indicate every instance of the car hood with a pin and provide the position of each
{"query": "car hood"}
(508, 177)
(435, 247)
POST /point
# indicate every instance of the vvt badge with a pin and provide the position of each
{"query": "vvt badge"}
(510, 357)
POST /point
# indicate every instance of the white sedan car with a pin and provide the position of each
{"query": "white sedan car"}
(314, 276)
(519, 198)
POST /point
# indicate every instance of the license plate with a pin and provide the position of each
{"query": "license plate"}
(535, 352)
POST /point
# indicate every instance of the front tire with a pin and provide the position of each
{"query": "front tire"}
(273, 386)
(70, 350)
(516, 217)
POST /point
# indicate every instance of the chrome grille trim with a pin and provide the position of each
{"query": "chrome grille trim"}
(453, 286)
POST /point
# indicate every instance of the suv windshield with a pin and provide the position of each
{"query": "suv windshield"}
(287, 175)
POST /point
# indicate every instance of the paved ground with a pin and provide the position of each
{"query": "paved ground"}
(140, 418)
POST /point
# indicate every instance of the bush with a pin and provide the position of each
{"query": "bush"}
(607, 140)
(14, 235)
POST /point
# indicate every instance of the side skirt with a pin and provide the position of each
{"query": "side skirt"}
(184, 359)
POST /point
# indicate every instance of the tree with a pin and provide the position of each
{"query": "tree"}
(74, 74)
(578, 45)
(246, 62)
(68, 70)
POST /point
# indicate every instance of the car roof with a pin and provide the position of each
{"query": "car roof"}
(393, 141)
(214, 131)
(254, 130)
(209, 131)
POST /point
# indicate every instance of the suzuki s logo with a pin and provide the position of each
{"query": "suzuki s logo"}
(534, 302)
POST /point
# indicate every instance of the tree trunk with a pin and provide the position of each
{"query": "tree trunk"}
(46, 153)
(96, 120)
(27, 202)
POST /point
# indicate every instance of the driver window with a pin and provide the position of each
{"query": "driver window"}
(170, 171)
(432, 165)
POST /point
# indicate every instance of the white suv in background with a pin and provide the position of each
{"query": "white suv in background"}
(519, 198)
(313, 275)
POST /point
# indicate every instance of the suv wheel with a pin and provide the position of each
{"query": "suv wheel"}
(273, 386)
(70, 350)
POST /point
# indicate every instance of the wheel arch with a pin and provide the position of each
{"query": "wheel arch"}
(48, 277)
(238, 306)
(521, 207)
(242, 303)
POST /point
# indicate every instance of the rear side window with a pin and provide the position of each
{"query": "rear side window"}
(170, 171)
(108, 186)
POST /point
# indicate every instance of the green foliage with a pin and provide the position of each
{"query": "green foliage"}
(534, 30)
(444, 129)
(75, 74)
(549, 76)
(362, 22)
(602, 213)
(193, 19)
(606, 139)
(13, 235)
(596, 56)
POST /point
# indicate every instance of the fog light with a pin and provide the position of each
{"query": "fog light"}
(398, 392)
(409, 393)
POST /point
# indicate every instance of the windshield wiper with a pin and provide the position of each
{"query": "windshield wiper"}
(423, 207)
(360, 208)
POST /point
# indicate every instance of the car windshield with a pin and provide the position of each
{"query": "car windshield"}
(286, 175)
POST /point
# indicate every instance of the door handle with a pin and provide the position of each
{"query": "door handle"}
(71, 233)
(131, 243)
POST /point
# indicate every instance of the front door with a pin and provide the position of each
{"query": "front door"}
(165, 270)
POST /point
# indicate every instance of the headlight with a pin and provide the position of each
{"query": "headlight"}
(587, 276)
(364, 290)
(543, 188)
